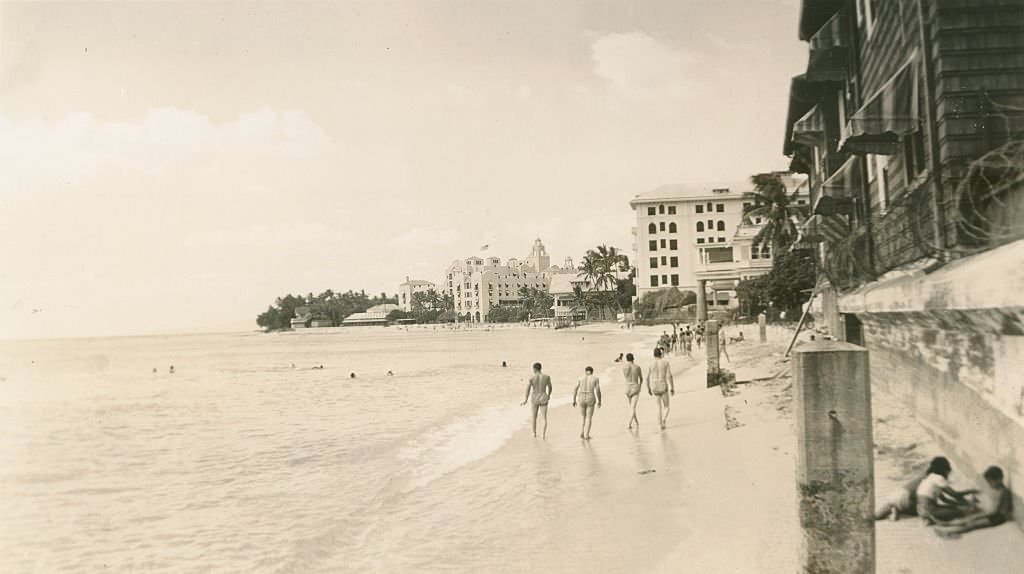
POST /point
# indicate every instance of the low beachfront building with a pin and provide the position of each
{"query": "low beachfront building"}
(477, 285)
(303, 318)
(376, 315)
(693, 237)
(409, 288)
(563, 290)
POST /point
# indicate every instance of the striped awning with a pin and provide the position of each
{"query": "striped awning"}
(803, 95)
(809, 129)
(845, 181)
(888, 115)
(830, 228)
(834, 33)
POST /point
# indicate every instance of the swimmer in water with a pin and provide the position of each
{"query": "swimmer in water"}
(538, 390)
(351, 375)
(171, 370)
(504, 364)
(587, 394)
(390, 374)
(634, 380)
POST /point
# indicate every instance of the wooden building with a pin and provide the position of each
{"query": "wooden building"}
(909, 121)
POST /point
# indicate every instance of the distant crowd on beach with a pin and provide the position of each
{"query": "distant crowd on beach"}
(951, 512)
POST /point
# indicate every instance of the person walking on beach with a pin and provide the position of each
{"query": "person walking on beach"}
(540, 389)
(587, 394)
(634, 379)
(660, 376)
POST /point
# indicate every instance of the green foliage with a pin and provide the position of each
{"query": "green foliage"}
(655, 303)
(779, 210)
(398, 315)
(787, 286)
(601, 266)
(327, 305)
(536, 303)
(432, 307)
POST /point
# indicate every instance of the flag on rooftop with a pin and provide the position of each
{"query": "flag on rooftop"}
(484, 247)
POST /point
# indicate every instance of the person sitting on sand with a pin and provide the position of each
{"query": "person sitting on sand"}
(660, 375)
(936, 500)
(1000, 505)
(619, 358)
(634, 380)
(587, 394)
(905, 504)
(539, 390)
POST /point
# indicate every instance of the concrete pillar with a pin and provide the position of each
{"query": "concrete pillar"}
(835, 465)
(762, 328)
(711, 345)
(702, 300)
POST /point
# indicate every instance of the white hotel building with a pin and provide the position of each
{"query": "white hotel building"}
(478, 284)
(690, 236)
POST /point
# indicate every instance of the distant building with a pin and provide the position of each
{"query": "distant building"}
(563, 291)
(315, 323)
(409, 288)
(690, 236)
(376, 315)
(476, 285)
(303, 318)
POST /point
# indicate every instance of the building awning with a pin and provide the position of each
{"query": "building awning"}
(816, 13)
(845, 181)
(827, 64)
(802, 159)
(888, 115)
(809, 129)
(803, 95)
(830, 228)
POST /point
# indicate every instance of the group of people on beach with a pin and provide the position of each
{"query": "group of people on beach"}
(951, 512)
(587, 394)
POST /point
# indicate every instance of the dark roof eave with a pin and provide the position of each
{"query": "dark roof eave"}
(814, 14)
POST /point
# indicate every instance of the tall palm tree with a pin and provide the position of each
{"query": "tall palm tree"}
(779, 210)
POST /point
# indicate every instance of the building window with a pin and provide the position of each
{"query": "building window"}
(913, 154)
(662, 243)
(651, 211)
(700, 208)
(664, 260)
(674, 262)
(672, 227)
(652, 245)
(721, 240)
(720, 207)
(721, 225)
(700, 240)
(654, 280)
(664, 279)
(661, 226)
(661, 209)
(711, 224)
(673, 245)
(671, 210)
(766, 252)
(710, 207)
(652, 229)
(700, 227)
(746, 206)
(654, 262)
(675, 280)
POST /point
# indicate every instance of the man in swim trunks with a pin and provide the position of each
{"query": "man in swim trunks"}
(660, 376)
(634, 379)
(540, 386)
(587, 394)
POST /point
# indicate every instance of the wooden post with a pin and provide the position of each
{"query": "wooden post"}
(762, 328)
(711, 345)
(835, 464)
(702, 300)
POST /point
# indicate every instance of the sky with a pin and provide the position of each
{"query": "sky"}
(175, 167)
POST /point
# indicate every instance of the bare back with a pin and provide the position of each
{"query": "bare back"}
(661, 371)
(540, 385)
(632, 373)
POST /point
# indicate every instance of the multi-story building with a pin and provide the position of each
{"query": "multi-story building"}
(409, 288)
(476, 285)
(690, 236)
(909, 121)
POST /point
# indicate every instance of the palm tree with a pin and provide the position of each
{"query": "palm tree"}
(779, 210)
(580, 300)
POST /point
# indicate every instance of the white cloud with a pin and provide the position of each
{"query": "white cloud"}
(80, 147)
(641, 68)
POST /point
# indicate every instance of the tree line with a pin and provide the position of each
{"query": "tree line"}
(328, 305)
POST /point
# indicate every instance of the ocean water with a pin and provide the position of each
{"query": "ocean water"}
(242, 462)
